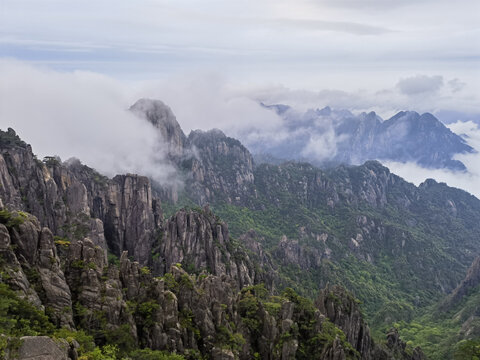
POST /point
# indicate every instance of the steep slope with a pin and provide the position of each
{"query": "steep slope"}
(450, 328)
(122, 304)
(396, 246)
(354, 139)
(214, 312)
(119, 214)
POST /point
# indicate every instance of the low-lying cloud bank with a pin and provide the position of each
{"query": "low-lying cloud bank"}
(468, 181)
(85, 115)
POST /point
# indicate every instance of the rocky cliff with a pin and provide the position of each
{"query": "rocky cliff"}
(332, 224)
(102, 260)
(122, 303)
(119, 214)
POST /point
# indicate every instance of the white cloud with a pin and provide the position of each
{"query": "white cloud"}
(467, 181)
(456, 85)
(207, 100)
(82, 115)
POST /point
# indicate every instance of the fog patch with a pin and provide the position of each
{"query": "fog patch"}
(82, 115)
(468, 180)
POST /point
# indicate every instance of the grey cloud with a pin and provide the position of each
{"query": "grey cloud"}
(338, 26)
(420, 84)
(369, 4)
(456, 85)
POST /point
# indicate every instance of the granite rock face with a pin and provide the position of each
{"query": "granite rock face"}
(162, 118)
(224, 168)
(35, 253)
(208, 299)
(471, 281)
(131, 217)
(42, 348)
(343, 310)
(216, 165)
(200, 241)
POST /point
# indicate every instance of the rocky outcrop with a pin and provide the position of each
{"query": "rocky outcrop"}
(189, 314)
(11, 268)
(200, 241)
(35, 251)
(312, 187)
(398, 347)
(224, 170)
(131, 216)
(162, 118)
(471, 281)
(343, 310)
(42, 348)
(76, 202)
(216, 166)
(48, 190)
(291, 252)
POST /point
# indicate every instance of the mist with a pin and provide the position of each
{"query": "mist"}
(82, 115)
(468, 180)
(85, 115)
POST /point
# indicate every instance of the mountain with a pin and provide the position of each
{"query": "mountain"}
(93, 264)
(398, 247)
(333, 223)
(329, 137)
(94, 253)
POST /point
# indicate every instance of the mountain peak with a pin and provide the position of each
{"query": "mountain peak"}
(211, 133)
(161, 116)
(326, 111)
(404, 115)
(155, 111)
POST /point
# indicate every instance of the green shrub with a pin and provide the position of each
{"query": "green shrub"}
(147, 354)
(11, 219)
(20, 318)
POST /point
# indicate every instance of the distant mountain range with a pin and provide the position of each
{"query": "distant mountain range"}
(331, 137)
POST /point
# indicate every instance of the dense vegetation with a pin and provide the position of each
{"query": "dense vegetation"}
(447, 333)
(415, 247)
(397, 247)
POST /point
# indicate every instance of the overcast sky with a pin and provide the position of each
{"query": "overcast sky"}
(76, 65)
(314, 44)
